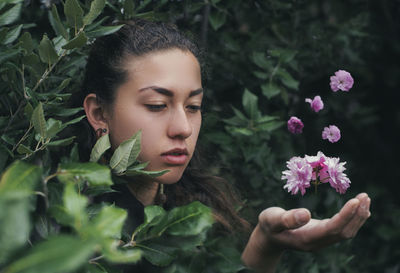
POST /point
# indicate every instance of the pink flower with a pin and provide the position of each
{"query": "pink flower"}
(341, 81)
(332, 133)
(298, 175)
(295, 125)
(319, 169)
(316, 104)
(318, 164)
(337, 179)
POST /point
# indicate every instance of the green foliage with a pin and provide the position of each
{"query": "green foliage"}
(264, 59)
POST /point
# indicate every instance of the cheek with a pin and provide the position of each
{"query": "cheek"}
(123, 125)
(196, 125)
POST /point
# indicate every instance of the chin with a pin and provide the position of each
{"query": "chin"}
(170, 177)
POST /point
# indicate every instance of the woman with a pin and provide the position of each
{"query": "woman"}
(147, 77)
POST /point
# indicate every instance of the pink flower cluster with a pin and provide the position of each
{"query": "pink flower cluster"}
(316, 170)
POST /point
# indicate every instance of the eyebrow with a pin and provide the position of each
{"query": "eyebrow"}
(169, 93)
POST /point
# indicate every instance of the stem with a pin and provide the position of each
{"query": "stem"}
(93, 260)
(13, 117)
(50, 177)
(23, 137)
(47, 72)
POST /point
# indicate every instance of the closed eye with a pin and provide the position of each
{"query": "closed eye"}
(194, 108)
(155, 107)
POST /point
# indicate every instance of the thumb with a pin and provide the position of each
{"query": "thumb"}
(277, 219)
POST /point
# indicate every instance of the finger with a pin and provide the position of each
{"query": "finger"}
(277, 219)
(361, 216)
(361, 196)
(336, 224)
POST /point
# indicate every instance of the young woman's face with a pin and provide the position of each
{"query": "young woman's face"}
(162, 97)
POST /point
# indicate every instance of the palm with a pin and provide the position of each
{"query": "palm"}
(284, 232)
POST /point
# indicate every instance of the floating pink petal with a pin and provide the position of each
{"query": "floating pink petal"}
(316, 104)
(342, 80)
(295, 125)
(331, 133)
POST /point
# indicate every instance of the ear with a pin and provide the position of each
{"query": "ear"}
(95, 112)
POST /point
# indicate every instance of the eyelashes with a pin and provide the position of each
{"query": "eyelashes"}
(155, 107)
(161, 107)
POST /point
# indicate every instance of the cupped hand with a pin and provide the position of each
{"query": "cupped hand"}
(279, 230)
(294, 229)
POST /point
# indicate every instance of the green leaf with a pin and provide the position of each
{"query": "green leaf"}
(102, 31)
(249, 101)
(38, 121)
(191, 219)
(96, 7)
(271, 126)
(125, 154)
(22, 149)
(53, 126)
(129, 8)
(62, 142)
(16, 185)
(113, 254)
(217, 19)
(285, 55)
(60, 254)
(150, 214)
(261, 75)
(19, 179)
(77, 42)
(261, 60)
(95, 174)
(74, 14)
(270, 90)
(11, 15)
(74, 206)
(26, 42)
(73, 121)
(159, 255)
(56, 23)
(12, 35)
(8, 54)
(64, 84)
(240, 131)
(265, 119)
(108, 223)
(101, 146)
(47, 52)
(135, 148)
(66, 112)
(136, 172)
(15, 225)
(287, 79)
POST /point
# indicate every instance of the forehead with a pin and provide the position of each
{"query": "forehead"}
(173, 69)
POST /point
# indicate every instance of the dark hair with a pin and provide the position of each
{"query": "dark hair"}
(105, 73)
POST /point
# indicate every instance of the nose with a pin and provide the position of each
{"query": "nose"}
(179, 125)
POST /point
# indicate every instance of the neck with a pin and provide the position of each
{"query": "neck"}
(144, 190)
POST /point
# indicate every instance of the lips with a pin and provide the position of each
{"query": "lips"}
(176, 156)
